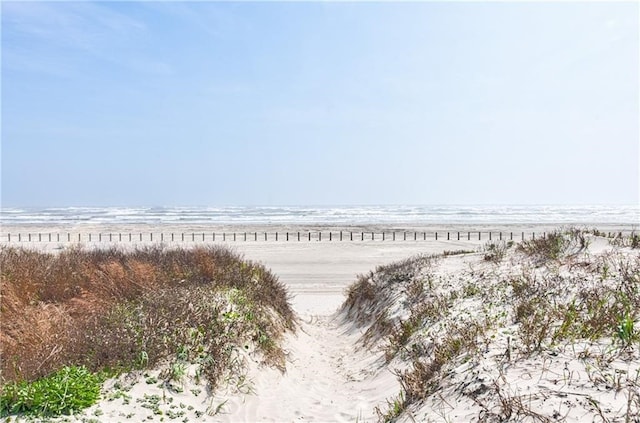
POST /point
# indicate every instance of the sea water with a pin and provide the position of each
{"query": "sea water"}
(330, 215)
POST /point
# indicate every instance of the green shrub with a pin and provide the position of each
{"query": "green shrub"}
(63, 392)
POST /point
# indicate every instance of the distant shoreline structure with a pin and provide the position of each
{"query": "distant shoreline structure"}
(325, 215)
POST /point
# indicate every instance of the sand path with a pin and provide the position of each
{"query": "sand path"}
(328, 378)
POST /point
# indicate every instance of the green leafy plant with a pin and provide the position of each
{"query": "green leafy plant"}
(68, 390)
(625, 330)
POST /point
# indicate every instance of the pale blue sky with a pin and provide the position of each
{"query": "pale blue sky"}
(228, 103)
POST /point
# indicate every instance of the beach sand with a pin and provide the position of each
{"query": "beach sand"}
(330, 376)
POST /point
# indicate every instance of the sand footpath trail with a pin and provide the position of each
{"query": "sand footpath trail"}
(329, 377)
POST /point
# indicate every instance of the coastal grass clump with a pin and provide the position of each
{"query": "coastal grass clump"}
(113, 311)
(555, 245)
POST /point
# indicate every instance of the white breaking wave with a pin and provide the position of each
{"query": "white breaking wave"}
(338, 215)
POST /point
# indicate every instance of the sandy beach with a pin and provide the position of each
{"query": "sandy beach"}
(331, 375)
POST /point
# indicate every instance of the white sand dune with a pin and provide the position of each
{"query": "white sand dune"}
(331, 376)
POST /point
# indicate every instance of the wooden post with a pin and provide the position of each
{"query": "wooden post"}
(298, 236)
(171, 236)
(110, 237)
(523, 236)
(458, 236)
(479, 236)
(500, 236)
(468, 236)
(203, 237)
(140, 236)
(276, 235)
(234, 237)
(394, 235)
(309, 236)
(425, 235)
(49, 237)
(150, 237)
(287, 236)
(19, 237)
(362, 236)
(245, 236)
(224, 236)
(265, 236)
(68, 237)
(489, 235)
(372, 237)
(39, 237)
(383, 235)
(436, 235)
(58, 236)
(330, 235)
(404, 236)
(319, 236)
(448, 237)
(183, 237)
(193, 236)
(351, 232)
(511, 236)
(533, 235)
(213, 236)
(89, 237)
(340, 235)
(255, 236)
(9, 237)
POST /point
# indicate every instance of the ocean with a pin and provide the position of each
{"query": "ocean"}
(325, 215)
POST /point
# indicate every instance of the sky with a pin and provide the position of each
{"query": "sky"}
(319, 103)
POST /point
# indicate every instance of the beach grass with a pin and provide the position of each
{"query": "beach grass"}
(106, 311)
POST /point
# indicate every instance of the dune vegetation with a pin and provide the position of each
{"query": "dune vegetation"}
(543, 330)
(74, 318)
